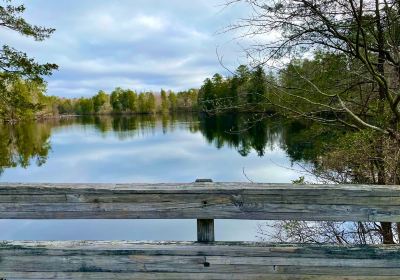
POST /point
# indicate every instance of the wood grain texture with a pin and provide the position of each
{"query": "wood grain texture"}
(201, 201)
(181, 276)
(205, 231)
(189, 260)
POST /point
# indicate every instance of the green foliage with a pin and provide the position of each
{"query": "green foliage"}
(304, 80)
(207, 96)
(99, 101)
(164, 102)
(257, 87)
(131, 100)
(115, 100)
(128, 100)
(20, 98)
(85, 106)
(173, 103)
(65, 107)
(21, 75)
(146, 103)
(245, 91)
(151, 103)
(124, 101)
(186, 100)
(120, 101)
(300, 181)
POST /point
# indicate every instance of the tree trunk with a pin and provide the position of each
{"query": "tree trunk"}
(387, 232)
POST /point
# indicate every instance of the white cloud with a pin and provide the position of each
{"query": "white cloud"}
(151, 22)
(142, 44)
(119, 26)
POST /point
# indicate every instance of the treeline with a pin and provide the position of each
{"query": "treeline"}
(303, 88)
(126, 101)
(247, 90)
(27, 100)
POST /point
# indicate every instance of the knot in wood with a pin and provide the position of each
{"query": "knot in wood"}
(237, 200)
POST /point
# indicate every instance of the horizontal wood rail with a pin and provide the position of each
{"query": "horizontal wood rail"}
(201, 201)
(188, 260)
(205, 259)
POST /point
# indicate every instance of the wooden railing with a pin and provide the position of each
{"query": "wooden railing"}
(205, 259)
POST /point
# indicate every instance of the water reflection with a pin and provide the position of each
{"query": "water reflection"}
(29, 143)
(23, 143)
(178, 148)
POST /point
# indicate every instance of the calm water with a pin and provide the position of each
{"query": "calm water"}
(147, 149)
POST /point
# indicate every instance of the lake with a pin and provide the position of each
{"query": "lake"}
(151, 149)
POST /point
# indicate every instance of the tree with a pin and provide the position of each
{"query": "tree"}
(21, 99)
(363, 37)
(187, 100)
(193, 96)
(206, 96)
(124, 99)
(243, 73)
(360, 30)
(172, 99)
(142, 103)
(85, 106)
(164, 101)
(115, 100)
(244, 91)
(65, 106)
(257, 87)
(16, 65)
(15, 62)
(214, 94)
(131, 97)
(99, 100)
(150, 103)
(239, 85)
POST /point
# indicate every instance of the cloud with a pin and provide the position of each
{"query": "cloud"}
(113, 27)
(150, 22)
(146, 45)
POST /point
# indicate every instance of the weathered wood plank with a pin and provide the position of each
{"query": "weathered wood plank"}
(180, 276)
(215, 187)
(200, 201)
(142, 198)
(179, 260)
(238, 249)
(205, 227)
(205, 230)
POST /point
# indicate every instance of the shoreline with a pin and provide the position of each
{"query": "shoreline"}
(127, 114)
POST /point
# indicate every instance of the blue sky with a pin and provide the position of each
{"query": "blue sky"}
(141, 44)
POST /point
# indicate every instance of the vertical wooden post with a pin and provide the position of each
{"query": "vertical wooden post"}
(205, 227)
(205, 230)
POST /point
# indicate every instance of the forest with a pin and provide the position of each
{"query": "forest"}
(126, 101)
(247, 89)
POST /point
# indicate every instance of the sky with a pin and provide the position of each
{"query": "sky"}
(141, 44)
